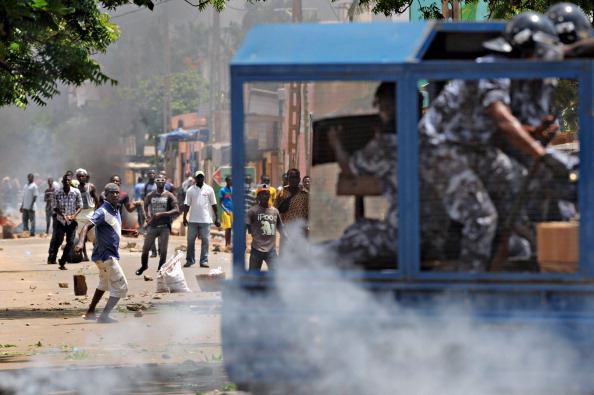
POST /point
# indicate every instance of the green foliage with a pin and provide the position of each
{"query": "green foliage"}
(43, 43)
(565, 98)
(431, 12)
(77, 355)
(498, 9)
(228, 387)
(187, 90)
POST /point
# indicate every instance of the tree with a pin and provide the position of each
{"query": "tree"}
(43, 42)
(498, 9)
(186, 89)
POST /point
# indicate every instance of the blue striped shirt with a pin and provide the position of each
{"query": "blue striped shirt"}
(108, 230)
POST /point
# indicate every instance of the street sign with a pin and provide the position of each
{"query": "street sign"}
(217, 176)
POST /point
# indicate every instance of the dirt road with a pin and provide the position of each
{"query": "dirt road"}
(173, 346)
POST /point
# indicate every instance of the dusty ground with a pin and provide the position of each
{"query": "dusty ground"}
(46, 347)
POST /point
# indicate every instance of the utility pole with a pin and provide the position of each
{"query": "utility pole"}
(297, 14)
(166, 83)
(214, 115)
(294, 104)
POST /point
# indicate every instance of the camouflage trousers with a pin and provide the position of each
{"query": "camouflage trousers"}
(367, 239)
(475, 187)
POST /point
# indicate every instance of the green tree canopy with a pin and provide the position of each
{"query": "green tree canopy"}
(498, 9)
(187, 89)
(47, 42)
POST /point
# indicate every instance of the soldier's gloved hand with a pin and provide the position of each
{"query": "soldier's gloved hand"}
(558, 168)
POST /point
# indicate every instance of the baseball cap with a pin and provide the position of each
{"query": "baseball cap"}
(199, 173)
(111, 187)
(81, 170)
(262, 187)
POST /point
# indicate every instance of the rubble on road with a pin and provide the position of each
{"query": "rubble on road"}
(23, 235)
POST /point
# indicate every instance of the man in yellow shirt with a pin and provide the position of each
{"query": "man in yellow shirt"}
(266, 180)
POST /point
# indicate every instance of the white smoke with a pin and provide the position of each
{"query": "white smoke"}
(127, 355)
(343, 339)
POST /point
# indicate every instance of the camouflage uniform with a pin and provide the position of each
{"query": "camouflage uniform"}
(473, 179)
(546, 197)
(367, 238)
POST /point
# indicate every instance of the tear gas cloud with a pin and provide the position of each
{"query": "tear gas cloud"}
(342, 338)
(127, 362)
(349, 340)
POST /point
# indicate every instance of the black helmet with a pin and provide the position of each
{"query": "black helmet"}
(528, 33)
(571, 23)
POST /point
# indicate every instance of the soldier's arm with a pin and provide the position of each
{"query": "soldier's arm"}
(342, 158)
(512, 131)
(580, 49)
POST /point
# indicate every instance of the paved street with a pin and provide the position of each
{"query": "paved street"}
(174, 346)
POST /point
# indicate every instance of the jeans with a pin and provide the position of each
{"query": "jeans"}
(54, 233)
(29, 215)
(61, 230)
(257, 257)
(140, 217)
(49, 216)
(201, 230)
(149, 241)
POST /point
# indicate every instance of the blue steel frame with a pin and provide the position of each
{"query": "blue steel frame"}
(263, 57)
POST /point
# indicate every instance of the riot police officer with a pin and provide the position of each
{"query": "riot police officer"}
(471, 176)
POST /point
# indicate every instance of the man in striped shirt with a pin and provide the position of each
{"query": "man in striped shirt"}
(66, 203)
(108, 229)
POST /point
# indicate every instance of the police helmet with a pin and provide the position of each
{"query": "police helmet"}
(528, 33)
(571, 23)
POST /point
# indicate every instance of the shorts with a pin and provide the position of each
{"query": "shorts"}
(227, 220)
(111, 278)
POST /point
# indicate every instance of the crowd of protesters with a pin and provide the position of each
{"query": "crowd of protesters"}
(70, 201)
